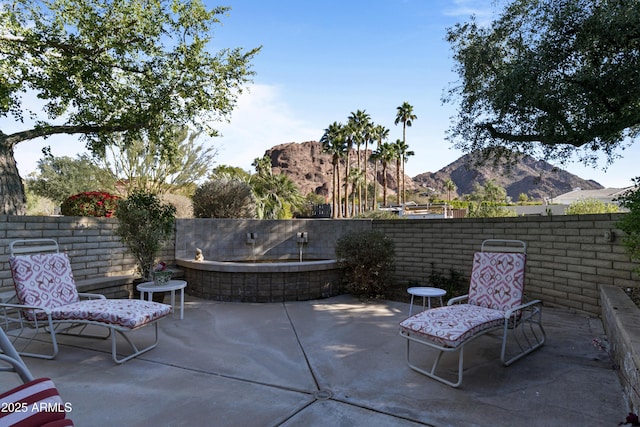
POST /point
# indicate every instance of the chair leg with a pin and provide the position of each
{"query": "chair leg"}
(527, 335)
(432, 374)
(136, 351)
(50, 329)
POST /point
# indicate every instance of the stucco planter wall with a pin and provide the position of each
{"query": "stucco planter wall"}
(621, 319)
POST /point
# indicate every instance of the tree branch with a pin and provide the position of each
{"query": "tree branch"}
(496, 134)
(14, 138)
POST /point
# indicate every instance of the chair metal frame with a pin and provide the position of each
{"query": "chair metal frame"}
(521, 325)
(16, 323)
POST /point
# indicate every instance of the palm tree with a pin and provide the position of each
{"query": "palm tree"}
(381, 133)
(333, 143)
(348, 134)
(276, 195)
(369, 136)
(405, 116)
(397, 148)
(385, 154)
(450, 186)
(356, 177)
(403, 155)
(359, 122)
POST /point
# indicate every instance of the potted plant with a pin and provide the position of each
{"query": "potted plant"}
(144, 225)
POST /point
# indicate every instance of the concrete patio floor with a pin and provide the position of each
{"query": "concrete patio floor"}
(332, 362)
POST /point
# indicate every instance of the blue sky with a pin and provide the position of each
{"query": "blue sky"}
(321, 60)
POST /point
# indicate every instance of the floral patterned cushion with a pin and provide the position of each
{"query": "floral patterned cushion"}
(497, 280)
(43, 280)
(128, 313)
(46, 280)
(451, 325)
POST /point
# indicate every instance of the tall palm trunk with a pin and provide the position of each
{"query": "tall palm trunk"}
(338, 201)
(374, 204)
(404, 142)
(365, 202)
(404, 194)
(398, 185)
(358, 185)
(346, 184)
(384, 183)
(334, 183)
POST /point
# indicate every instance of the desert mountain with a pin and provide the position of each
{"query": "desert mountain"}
(312, 171)
(535, 178)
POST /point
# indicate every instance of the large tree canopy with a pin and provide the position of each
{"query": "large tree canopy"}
(550, 77)
(111, 70)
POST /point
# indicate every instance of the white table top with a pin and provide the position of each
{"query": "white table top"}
(426, 291)
(172, 285)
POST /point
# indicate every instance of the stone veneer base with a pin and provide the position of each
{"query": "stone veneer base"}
(271, 282)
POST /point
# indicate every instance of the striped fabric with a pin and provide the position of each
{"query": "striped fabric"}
(36, 403)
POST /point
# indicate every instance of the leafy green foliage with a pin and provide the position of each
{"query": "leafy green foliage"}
(90, 203)
(488, 210)
(276, 196)
(144, 225)
(61, 177)
(553, 77)
(147, 165)
(630, 222)
(114, 71)
(224, 197)
(368, 261)
(590, 206)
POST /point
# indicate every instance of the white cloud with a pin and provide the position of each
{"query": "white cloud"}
(261, 120)
(463, 9)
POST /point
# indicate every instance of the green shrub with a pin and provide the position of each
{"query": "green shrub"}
(630, 222)
(224, 197)
(368, 260)
(90, 203)
(144, 225)
(590, 206)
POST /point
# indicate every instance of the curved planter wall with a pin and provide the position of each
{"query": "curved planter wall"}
(261, 282)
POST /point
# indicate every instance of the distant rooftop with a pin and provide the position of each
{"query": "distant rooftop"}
(605, 195)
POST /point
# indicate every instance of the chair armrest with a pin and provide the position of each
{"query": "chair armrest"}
(91, 296)
(25, 307)
(510, 312)
(457, 300)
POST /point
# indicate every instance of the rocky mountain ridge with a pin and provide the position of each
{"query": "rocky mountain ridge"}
(312, 170)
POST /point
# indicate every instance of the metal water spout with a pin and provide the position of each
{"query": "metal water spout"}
(302, 239)
(251, 240)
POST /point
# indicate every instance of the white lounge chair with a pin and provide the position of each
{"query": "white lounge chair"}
(494, 302)
(47, 298)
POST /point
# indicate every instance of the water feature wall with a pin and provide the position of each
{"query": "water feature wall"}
(307, 246)
(236, 239)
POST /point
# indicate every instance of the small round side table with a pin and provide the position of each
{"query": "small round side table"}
(425, 292)
(172, 285)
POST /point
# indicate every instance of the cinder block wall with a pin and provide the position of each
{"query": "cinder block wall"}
(92, 246)
(569, 257)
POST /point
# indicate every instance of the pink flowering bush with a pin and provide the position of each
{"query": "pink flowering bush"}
(90, 203)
